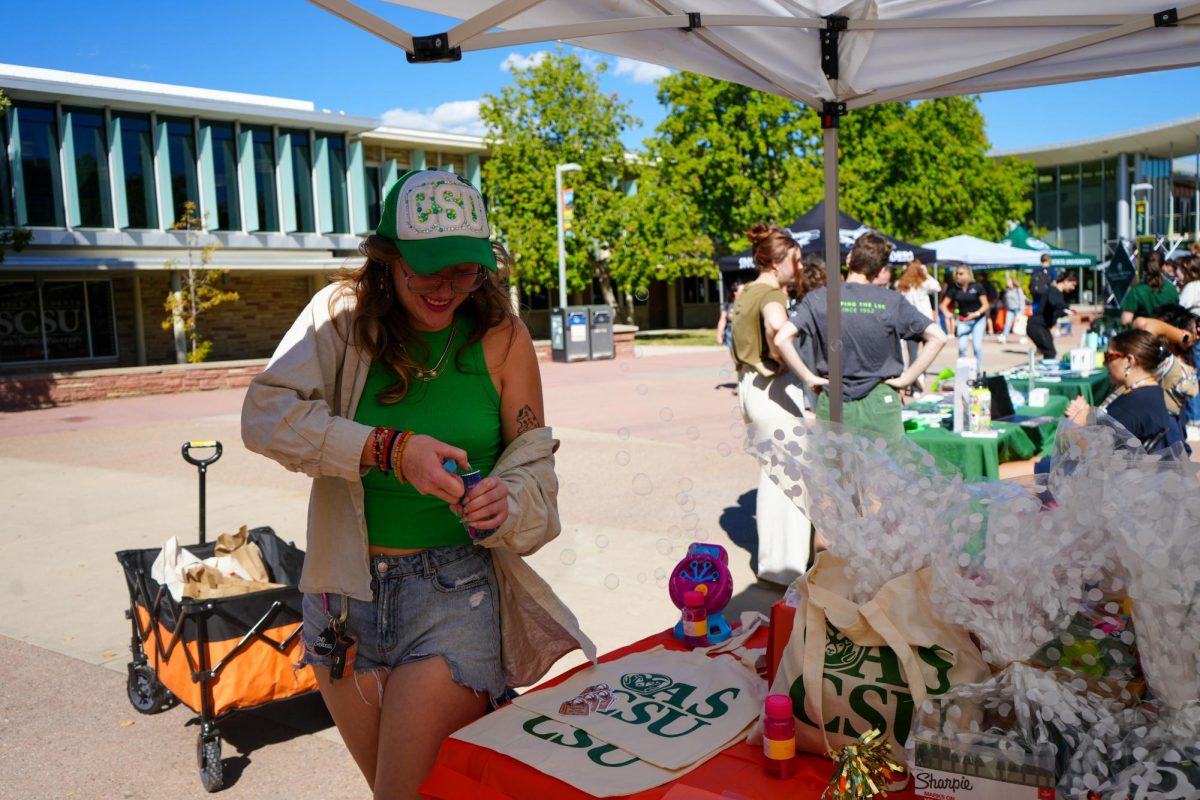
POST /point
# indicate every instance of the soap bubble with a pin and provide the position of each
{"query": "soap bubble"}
(723, 449)
(689, 504)
(659, 572)
(663, 546)
(601, 541)
(567, 556)
(675, 532)
(641, 577)
(624, 365)
(611, 581)
(642, 484)
(737, 429)
(735, 411)
(643, 389)
(622, 458)
(641, 294)
(666, 414)
(690, 522)
(623, 434)
(692, 432)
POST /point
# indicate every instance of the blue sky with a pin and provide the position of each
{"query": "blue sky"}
(291, 48)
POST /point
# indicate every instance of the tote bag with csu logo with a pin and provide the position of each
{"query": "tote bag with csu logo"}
(852, 667)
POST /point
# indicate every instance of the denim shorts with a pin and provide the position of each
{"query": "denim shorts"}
(442, 601)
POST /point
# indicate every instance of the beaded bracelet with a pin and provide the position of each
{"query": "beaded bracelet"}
(398, 455)
(377, 447)
(386, 461)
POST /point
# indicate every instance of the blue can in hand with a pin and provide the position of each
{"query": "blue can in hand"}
(470, 481)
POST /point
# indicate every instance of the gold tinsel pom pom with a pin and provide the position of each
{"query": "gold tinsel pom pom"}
(862, 769)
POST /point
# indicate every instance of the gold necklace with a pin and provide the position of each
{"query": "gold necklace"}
(430, 374)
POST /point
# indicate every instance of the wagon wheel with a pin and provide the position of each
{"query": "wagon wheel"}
(208, 754)
(146, 692)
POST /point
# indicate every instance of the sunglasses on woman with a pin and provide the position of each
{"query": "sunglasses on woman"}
(1110, 356)
(460, 283)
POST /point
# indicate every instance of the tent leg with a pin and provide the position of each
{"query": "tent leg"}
(833, 272)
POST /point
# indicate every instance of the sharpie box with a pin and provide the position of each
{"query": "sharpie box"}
(979, 769)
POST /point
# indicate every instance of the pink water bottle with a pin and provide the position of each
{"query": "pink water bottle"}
(779, 736)
(695, 620)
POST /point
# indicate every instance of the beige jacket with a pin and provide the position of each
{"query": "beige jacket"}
(300, 412)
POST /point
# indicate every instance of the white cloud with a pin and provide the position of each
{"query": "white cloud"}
(458, 116)
(515, 61)
(640, 71)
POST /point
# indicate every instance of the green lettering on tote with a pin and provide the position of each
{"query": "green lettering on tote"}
(904, 714)
(531, 727)
(675, 695)
(889, 666)
(659, 728)
(716, 708)
(641, 712)
(860, 705)
(797, 695)
(941, 665)
(597, 754)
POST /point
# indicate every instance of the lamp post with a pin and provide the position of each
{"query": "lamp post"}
(562, 250)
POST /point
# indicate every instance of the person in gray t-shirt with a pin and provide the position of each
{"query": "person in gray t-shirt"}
(874, 320)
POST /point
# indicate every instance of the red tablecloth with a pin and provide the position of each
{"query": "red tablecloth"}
(468, 772)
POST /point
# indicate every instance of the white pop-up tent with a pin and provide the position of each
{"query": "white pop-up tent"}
(977, 252)
(833, 55)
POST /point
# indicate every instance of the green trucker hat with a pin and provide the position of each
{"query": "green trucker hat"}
(437, 220)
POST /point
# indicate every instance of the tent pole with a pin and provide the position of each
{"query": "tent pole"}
(833, 272)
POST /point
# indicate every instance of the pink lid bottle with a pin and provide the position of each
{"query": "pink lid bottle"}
(695, 620)
(779, 736)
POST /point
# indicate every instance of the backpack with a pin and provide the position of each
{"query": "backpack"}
(1039, 283)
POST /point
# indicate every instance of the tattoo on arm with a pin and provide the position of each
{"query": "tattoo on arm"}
(527, 420)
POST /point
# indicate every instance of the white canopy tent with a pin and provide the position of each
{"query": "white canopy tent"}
(833, 55)
(974, 251)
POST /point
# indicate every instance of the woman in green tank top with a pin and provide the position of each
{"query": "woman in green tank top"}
(453, 378)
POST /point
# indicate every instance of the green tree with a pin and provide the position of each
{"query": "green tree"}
(555, 113)
(738, 155)
(201, 291)
(11, 238)
(923, 172)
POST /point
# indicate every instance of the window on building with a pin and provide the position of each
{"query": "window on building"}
(181, 156)
(38, 135)
(56, 320)
(302, 187)
(1046, 208)
(374, 175)
(700, 290)
(137, 157)
(265, 194)
(339, 200)
(227, 215)
(90, 143)
(1068, 206)
(6, 213)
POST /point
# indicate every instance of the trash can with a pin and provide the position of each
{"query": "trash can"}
(600, 332)
(569, 334)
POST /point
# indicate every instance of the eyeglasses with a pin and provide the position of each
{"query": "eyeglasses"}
(1110, 356)
(461, 283)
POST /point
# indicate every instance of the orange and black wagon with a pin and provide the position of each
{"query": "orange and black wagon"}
(215, 655)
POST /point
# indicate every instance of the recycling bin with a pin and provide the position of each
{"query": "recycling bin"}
(600, 332)
(569, 334)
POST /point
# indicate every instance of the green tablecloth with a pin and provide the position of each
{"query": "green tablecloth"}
(977, 457)
(1094, 387)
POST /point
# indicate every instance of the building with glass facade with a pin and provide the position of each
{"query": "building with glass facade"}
(1141, 182)
(100, 169)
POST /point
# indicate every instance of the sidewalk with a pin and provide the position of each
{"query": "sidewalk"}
(651, 460)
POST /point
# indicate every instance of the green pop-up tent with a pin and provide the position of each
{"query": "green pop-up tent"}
(1019, 237)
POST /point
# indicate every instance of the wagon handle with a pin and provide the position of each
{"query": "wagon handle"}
(202, 465)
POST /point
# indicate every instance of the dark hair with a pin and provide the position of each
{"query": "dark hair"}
(869, 255)
(1152, 271)
(771, 245)
(381, 327)
(1174, 315)
(1045, 258)
(1148, 350)
(811, 274)
(1189, 267)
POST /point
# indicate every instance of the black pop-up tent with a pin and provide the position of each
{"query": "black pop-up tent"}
(808, 231)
